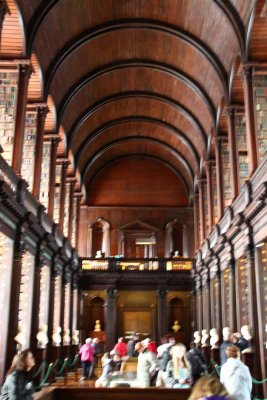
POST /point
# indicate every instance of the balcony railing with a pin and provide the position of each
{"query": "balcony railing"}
(113, 264)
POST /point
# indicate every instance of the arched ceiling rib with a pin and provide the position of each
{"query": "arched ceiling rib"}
(141, 128)
(131, 77)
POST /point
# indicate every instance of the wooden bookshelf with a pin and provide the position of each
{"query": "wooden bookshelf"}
(6, 256)
(262, 257)
(67, 296)
(28, 154)
(66, 210)
(56, 211)
(25, 295)
(243, 309)
(44, 295)
(45, 170)
(242, 151)
(226, 297)
(226, 174)
(206, 209)
(57, 304)
(74, 222)
(214, 194)
(260, 97)
(8, 102)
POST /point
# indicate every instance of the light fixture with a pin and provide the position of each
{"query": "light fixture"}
(260, 244)
(144, 241)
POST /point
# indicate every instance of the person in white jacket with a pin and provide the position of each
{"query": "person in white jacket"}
(235, 375)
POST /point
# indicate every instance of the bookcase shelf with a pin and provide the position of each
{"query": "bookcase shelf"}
(260, 97)
(8, 103)
(45, 172)
(226, 174)
(28, 155)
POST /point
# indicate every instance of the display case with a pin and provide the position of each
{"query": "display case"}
(25, 300)
(29, 143)
(8, 103)
(243, 298)
(226, 174)
(6, 257)
(260, 98)
(66, 210)
(45, 172)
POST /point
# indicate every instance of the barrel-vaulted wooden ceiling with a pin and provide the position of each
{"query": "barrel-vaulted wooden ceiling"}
(141, 77)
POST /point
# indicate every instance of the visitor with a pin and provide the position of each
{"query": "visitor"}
(209, 388)
(87, 357)
(236, 376)
(110, 367)
(178, 368)
(147, 366)
(197, 361)
(18, 384)
(121, 348)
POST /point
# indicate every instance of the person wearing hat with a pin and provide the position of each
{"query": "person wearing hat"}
(147, 366)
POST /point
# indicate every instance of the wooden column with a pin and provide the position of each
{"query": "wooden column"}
(201, 184)
(52, 170)
(25, 70)
(65, 164)
(209, 164)
(219, 176)
(219, 297)
(72, 185)
(206, 300)
(230, 114)
(199, 301)
(196, 219)
(162, 315)
(111, 319)
(42, 110)
(247, 77)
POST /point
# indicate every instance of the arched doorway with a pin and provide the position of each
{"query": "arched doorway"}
(176, 239)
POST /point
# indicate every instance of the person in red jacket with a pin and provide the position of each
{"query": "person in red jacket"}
(121, 348)
(87, 357)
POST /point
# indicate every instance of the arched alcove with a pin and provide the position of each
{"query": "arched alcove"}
(176, 311)
(175, 239)
(99, 237)
(96, 312)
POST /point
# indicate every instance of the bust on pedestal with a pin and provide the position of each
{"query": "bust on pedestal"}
(97, 326)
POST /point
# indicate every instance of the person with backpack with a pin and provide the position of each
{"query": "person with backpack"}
(197, 361)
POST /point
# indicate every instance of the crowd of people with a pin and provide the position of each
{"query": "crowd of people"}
(169, 365)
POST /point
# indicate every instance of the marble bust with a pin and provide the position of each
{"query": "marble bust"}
(97, 326)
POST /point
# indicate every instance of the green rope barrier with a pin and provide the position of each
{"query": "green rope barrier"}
(256, 398)
(41, 368)
(48, 372)
(258, 382)
(65, 363)
(75, 359)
